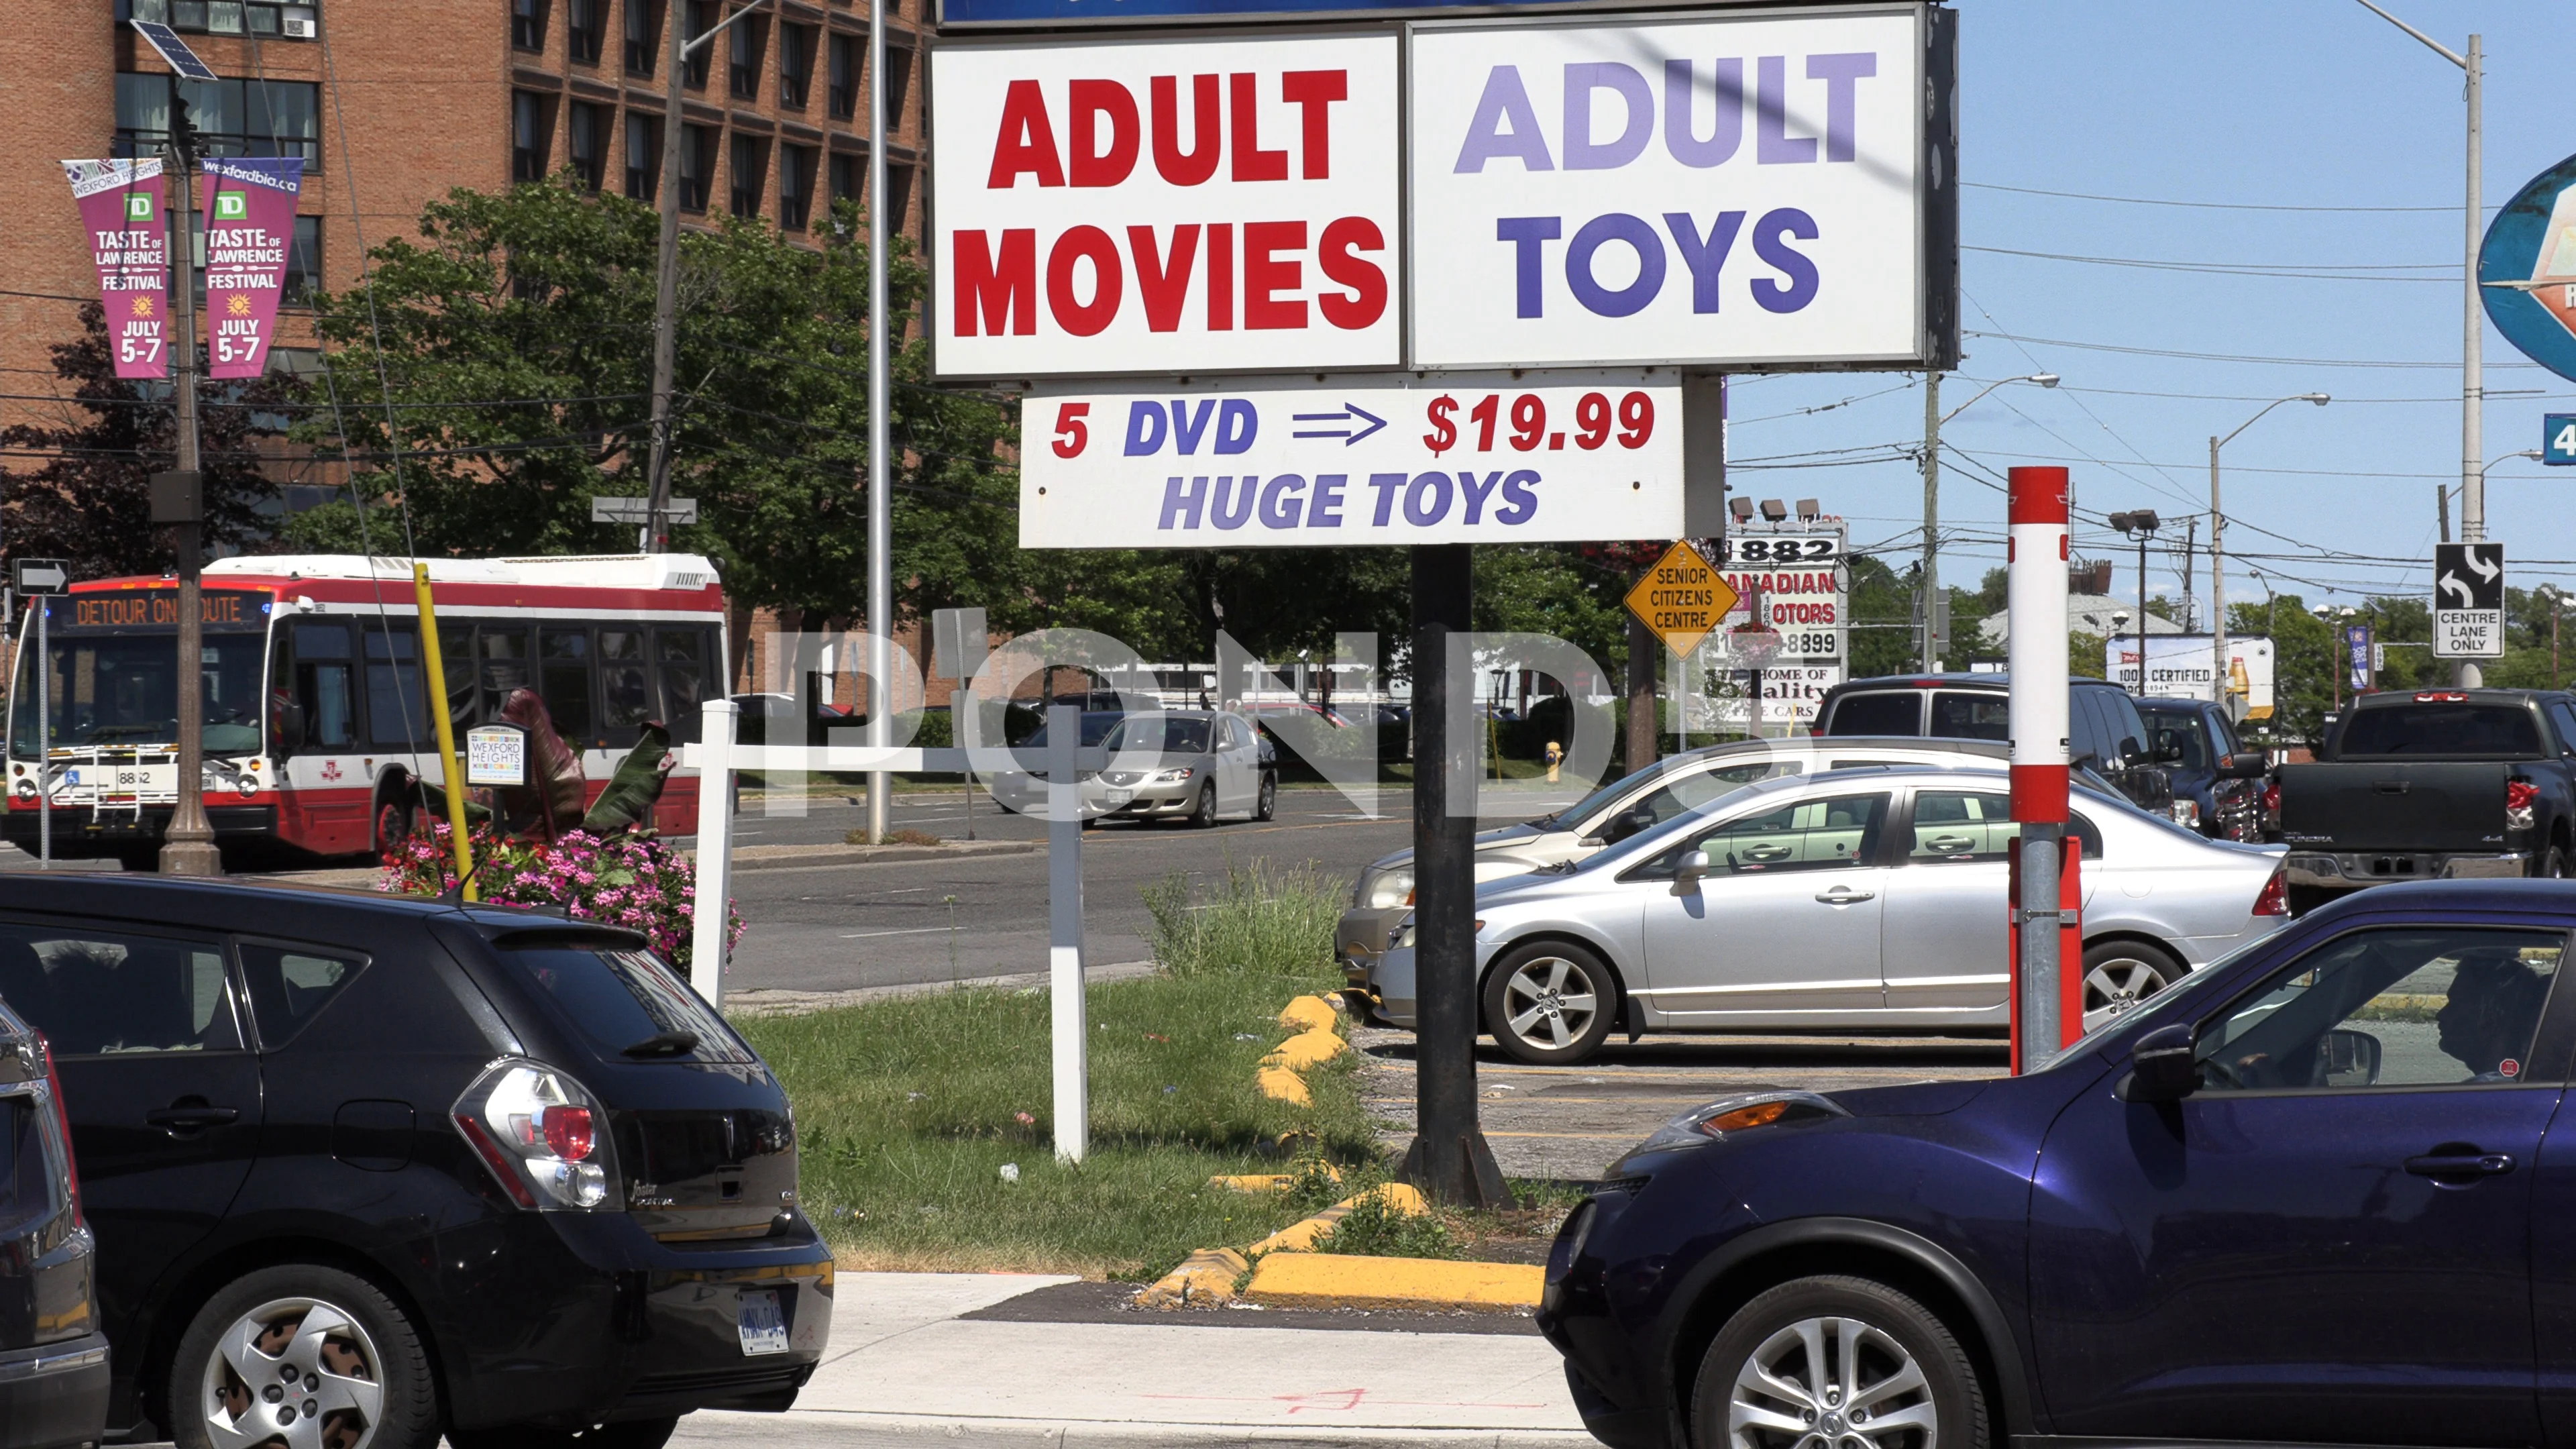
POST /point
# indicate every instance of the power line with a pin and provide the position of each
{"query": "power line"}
(2227, 356)
(2318, 272)
(2201, 205)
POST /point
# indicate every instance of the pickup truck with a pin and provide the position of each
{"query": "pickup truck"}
(2440, 784)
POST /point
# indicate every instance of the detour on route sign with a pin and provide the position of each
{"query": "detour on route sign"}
(1682, 598)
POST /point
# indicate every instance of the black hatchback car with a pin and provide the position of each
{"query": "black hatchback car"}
(53, 1358)
(366, 1169)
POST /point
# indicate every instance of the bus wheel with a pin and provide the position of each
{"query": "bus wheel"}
(393, 824)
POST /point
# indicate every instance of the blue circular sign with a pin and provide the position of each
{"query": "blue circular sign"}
(2531, 248)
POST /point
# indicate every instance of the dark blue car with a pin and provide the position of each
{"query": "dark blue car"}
(2311, 1195)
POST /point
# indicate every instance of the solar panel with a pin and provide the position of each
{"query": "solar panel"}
(174, 50)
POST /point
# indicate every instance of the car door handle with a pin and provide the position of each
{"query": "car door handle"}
(1767, 853)
(1949, 842)
(2461, 1164)
(196, 1117)
(1845, 896)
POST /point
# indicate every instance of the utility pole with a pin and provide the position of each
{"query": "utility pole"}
(2141, 526)
(1931, 521)
(880, 486)
(188, 847)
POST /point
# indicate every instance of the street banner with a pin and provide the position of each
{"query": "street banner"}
(1167, 206)
(1761, 191)
(250, 235)
(121, 213)
(1399, 460)
(2527, 269)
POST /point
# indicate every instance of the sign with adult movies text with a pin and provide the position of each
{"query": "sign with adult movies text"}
(250, 238)
(121, 214)
(1165, 206)
(1717, 189)
(2468, 601)
(1403, 460)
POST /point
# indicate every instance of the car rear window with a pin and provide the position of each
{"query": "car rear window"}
(2436, 730)
(622, 999)
(1965, 715)
(1160, 732)
(1884, 712)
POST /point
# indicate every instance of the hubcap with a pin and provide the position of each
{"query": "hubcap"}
(1550, 1001)
(296, 1372)
(2119, 986)
(1831, 1383)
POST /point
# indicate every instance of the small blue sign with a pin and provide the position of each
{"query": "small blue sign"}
(2558, 438)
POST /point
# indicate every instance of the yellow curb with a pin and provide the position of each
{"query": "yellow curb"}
(1343, 1280)
(1309, 1013)
(1299, 1236)
(1206, 1276)
(1283, 1085)
(1307, 1049)
(1273, 1181)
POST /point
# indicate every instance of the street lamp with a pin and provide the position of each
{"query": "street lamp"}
(2140, 525)
(2334, 651)
(2557, 605)
(2218, 547)
(1933, 418)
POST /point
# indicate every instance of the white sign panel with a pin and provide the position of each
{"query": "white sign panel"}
(1791, 697)
(1799, 577)
(1175, 206)
(1732, 191)
(496, 754)
(2179, 666)
(1454, 459)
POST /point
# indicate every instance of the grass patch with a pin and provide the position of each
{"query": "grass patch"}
(907, 1110)
(1372, 1229)
(1261, 920)
(905, 836)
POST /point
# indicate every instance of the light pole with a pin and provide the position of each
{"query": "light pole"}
(2473, 487)
(1933, 418)
(2334, 653)
(2218, 547)
(2140, 525)
(2557, 605)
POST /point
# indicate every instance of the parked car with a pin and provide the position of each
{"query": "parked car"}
(2308, 1196)
(1640, 800)
(2437, 783)
(1856, 899)
(2106, 734)
(2217, 782)
(53, 1357)
(771, 718)
(1024, 789)
(365, 1167)
(1206, 764)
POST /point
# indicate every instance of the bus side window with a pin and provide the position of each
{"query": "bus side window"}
(682, 655)
(456, 662)
(397, 708)
(625, 689)
(325, 685)
(506, 665)
(563, 680)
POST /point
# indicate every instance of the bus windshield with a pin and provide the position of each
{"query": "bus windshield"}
(116, 689)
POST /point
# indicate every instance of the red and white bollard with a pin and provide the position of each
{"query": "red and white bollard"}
(2042, 1020)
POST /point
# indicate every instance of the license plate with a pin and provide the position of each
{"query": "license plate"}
(764, 1330)
(1120, 797)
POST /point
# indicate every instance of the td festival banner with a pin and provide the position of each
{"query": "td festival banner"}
(250, 233)
(120, 203)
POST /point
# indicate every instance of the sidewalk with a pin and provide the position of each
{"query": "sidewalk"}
(905, 1369)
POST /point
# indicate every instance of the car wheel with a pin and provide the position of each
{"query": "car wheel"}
(1267, 806)
(393, 824)
(2120, 975)
(1550, 1002)
(637, 1434)
(1203, 814)
(306, 1357)
(1837, 1363)
(2551, 865)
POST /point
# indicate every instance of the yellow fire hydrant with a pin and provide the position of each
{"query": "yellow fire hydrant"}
(1555, 757)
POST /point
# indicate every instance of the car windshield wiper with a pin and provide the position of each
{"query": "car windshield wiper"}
(662, 1044)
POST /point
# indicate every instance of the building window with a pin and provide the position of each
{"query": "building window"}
(304, 264)
(844, 60)
(795, 187)
(587, 139)
(528, 24)
(585, 27)
(898, 195)
(795, 64)
(750, 174)
(849, 177)
(898, 79)
(743, 45)
(643, 36)
(224, 17)
(699, 15)
(697, 165)
(643, 155)
(531, 135)
(232, 117)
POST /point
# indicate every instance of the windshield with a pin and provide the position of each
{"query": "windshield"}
(119, 689)
(2181, 732)
(1159, 732)
(1593, 804)
(2442, 731)
(1095, 727)
(2175, 1001)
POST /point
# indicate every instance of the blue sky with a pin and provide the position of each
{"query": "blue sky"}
(2256, 103)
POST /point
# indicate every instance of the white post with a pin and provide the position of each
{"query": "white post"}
(1064, 934)
(715, 849)
(880, 468)
(2473, 473)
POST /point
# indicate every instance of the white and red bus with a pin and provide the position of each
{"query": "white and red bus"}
(316, 712)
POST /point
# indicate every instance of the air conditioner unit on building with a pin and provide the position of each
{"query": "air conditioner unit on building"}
(299, 27)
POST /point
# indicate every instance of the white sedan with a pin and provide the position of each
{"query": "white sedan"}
(1864, 899)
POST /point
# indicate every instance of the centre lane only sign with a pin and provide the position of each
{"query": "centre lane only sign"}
(1400, 460)
(1165, 206)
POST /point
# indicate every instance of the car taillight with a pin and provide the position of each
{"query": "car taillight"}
(63, 1124)
(2275, 899)
(2519, 798)
(537, 1131)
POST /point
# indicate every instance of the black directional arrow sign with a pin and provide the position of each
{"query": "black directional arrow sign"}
(2468, 600)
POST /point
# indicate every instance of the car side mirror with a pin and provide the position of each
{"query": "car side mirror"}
(2351, 1059)
(1590, 842)
(1686, 876)
(1626, 823)
(289, 721)
(2163, 1066)
(2130, 750)
(2247, 765)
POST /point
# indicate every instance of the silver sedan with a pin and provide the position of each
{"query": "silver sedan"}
(1864, 899)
